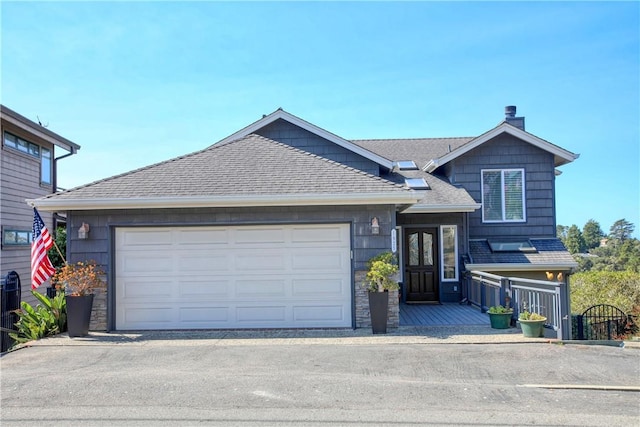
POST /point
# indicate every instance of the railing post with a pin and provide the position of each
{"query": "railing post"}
(565, 309)
(483, 298)
(505, 291)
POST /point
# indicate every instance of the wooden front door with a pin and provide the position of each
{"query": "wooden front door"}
(421, 265)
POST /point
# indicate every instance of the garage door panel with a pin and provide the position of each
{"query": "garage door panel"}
(209, 289)
(144, 288)
(204, 314)
(204, 261)
(198, 236)
(259, 236)
(247, 261)
(320, 287)
(260, 314)
(318, 260)
(149, 316)
(260, 288)
(136, 262)
(316, 314)
(151, 237)
(233, 277)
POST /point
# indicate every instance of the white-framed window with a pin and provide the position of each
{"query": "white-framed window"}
(34, 150)
(503, 195)
(449, 253)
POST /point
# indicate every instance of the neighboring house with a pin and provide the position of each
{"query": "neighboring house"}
(28, 169)
(272, 226)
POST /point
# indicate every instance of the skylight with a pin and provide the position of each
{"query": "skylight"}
(407, 165)
(417, 183)
(511, 246)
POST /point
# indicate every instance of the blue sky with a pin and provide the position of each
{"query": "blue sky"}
(135, 83)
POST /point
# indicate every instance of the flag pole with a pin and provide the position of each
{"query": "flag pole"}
(59, 253)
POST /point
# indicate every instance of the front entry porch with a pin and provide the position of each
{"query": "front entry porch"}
(450, 314)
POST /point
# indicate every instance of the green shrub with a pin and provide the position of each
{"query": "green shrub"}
(381, 274)
(525, 315)
(618, 288)
(498, 309)
(46, 319)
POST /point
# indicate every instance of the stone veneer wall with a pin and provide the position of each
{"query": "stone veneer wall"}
(99, 310)
(363, 318)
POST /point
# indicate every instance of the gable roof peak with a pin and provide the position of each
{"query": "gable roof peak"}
(280, 113)
(561, 156)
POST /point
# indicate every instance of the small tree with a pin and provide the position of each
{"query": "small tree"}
(561, 233)
(592, 234)
(620, 231)
(575, 241)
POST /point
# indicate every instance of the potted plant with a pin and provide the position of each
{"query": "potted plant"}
(500, 317)
(532, 324)
(381, 278)
(78, 281)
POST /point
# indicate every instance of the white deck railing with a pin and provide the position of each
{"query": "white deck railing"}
(542, 297)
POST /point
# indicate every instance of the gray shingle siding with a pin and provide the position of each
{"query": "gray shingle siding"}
(20, 180)
(290, 134)
(506, 152)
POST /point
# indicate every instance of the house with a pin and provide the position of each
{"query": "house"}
(28, 169)
(272, 226)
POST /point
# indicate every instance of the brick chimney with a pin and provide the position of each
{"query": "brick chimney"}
(510, 117)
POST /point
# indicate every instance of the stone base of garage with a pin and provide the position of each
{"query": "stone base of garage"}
(99, 312)
(363, 317)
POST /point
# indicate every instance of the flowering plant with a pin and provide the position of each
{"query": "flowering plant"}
(78, 279)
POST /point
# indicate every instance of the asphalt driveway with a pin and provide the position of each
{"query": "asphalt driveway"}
(271, 378)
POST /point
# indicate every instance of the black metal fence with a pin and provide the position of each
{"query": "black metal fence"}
(10, 301)
(601, 322)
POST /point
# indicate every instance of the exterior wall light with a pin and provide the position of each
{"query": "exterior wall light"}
(83, 231)
(375, 225)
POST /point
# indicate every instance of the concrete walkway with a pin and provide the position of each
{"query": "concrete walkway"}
(402, 335)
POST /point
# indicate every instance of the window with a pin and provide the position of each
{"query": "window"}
(12, 237)
(503, 195)
(45, 166)
(34, 150)
(449, 252)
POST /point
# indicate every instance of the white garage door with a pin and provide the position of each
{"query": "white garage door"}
(276, 276)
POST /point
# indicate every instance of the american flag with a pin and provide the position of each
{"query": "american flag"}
(41, 268)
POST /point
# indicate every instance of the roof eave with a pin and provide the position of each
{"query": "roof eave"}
(22, 122)
(281, 114)
(522, 267)
(426, 208)
(53, 204)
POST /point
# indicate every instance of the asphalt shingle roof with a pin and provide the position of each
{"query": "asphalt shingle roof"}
(548, 251)
(420, 150)
(252, 165)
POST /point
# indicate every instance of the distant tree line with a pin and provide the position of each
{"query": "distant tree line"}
(596, 251)
(609, 267)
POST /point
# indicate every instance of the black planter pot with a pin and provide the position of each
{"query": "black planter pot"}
(51, 292)
(378, 307)
(79, 314)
